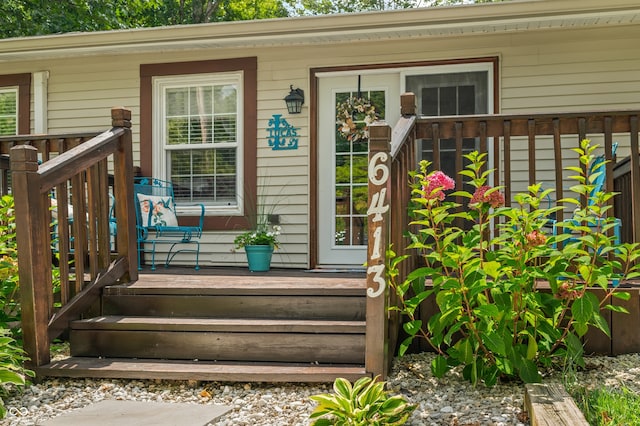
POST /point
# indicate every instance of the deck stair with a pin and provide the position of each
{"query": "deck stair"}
(235, 327)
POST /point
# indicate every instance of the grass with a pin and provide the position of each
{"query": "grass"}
(608, 407)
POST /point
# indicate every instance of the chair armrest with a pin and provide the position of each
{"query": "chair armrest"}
(201, 221)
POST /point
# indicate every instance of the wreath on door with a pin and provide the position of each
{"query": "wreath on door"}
(354, 116)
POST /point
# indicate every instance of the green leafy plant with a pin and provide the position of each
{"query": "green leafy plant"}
(486, 273)
(607, 407)
(9, 288)
(364, 403)
(12, 372)
(264, 235)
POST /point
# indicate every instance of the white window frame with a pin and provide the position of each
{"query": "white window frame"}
(482, 66)
(159, 146)
(16, 90)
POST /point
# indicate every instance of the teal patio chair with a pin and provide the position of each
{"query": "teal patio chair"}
(597, 169)
(157, 222)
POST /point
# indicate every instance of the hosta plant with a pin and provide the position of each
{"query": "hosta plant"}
(486, 263)
(12, 372)
(364, 403)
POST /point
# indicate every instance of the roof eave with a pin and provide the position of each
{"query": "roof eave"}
(345, 28)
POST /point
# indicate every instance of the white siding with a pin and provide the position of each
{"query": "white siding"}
(540, 71)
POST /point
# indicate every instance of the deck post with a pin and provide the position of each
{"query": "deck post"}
(34, 254)
(377, 350)
(635, 176)
(123, 192)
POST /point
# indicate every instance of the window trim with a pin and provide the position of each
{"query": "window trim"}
(23, 83)
(248, 68)
(160, 85)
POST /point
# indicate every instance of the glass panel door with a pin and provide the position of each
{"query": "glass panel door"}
(342, 167)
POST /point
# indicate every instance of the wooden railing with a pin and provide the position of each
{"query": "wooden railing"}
(48, 146)
(77, 178)
(393, 154)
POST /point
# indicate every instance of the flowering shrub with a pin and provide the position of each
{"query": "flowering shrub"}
(263, 236)
(354, 116)
(492, 318)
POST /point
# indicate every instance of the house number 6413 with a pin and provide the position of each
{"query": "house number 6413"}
(378, 175)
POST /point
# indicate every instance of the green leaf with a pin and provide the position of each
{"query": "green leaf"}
(11, 377)
(528, 372)
(622, 295)
(532, 348)
(465, 349)
(617, 308)
(599, 321)
(492, 269)
(582, 310)
(580, 328)
(439, 366)
(412, 327)
(404, 346)
(494, 342)
(342, 387)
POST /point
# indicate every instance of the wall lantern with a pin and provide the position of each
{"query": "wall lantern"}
(294, 100)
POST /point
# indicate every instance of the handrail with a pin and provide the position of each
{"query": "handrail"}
(79, 180)
(393, 155)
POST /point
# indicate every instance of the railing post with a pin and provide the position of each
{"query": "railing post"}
(377, 350)
(123, 192)
(407, 104)
(635, 176)
(34, 254)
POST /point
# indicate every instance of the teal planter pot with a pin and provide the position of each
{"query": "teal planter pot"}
(259, 257)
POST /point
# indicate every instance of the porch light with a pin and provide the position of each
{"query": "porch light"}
(294, 100)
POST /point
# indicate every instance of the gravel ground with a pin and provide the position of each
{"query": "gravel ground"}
(449, 401)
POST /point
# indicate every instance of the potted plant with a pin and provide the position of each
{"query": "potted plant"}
(259, 245)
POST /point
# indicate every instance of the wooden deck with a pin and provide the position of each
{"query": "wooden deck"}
(213, 279)
(223, 324)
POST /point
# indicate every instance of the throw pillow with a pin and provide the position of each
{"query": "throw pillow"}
(157, 210)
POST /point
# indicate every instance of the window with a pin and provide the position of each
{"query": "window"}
(199, 137)
(451, 90)
(15, 101)
(8, 111)
(198, 128)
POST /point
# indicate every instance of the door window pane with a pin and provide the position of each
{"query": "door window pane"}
(350, 175)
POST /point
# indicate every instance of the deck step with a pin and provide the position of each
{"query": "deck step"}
(219, 339)
(242, 285)
(198, 370)
(348, 308)
(116, 322)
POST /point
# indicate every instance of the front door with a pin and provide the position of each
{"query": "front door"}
(342, 165)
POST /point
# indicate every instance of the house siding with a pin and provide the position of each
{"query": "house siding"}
(560, 70)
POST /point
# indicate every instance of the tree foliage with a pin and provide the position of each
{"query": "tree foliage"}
(19, 18)
(327, 7)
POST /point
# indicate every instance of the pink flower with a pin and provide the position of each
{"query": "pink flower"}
(536, 238)
(495, 198)
(436, 183)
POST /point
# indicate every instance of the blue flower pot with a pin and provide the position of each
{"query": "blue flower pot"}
(259, 257)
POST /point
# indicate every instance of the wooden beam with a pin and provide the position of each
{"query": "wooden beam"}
(34, 253)
(83, 300)
(551, 405)
(378, 229)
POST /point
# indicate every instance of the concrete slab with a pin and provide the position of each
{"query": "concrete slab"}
(133, 413)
